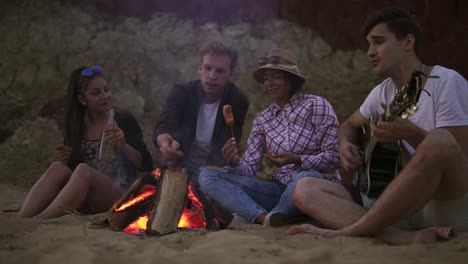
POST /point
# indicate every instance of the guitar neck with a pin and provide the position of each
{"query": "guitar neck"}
(388, 116)
(369, 149)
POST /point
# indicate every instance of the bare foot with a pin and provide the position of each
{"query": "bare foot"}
(443, 232)
(432, 234)
(424, 236)
(307, 228)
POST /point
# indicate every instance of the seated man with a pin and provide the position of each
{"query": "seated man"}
(430, 194)
(191, 127)
(191, 130)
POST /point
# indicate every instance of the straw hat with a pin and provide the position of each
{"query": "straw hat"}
(278, 59)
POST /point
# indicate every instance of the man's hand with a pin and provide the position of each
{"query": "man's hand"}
(169, 147)
(284, 158)
(350, 157)
(230, 152)
(63, 153)
(391, 131)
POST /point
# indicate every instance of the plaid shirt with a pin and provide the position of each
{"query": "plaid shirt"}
(307, 126)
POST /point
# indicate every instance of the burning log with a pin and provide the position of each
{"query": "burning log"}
(122, 218)
(124, 213)
(151, 206)
(169, 202)
(136, 187)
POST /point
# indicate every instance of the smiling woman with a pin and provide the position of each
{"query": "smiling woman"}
(79, 179)
(280, 75)
(277, 86)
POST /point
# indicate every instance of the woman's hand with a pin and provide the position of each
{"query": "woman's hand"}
(63, 153)
(230, 152)
(285, 158)
(115, 135)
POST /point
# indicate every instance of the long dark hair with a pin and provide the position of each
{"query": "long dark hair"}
(295, 82)
(75, 112)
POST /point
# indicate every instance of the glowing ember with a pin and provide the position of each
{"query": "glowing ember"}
(192, 216)
(137, 225)
(156, 172)
(148, 190)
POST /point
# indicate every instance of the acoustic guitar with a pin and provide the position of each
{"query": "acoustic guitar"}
(382, 161)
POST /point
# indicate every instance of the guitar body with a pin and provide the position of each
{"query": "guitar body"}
(382, 161)
(381, 164)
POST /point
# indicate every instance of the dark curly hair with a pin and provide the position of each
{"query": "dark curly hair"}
(399, 21)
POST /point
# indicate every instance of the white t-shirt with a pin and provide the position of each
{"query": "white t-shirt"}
(201, 146)
(444, 104)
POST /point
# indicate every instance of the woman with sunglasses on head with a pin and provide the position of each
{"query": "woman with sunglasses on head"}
(79, 179)
(298, 132)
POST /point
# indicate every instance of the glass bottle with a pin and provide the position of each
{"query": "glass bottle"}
(106, 149)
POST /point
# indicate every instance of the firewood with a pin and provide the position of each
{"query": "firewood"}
(135, 188)
(121, 219)
(169, 202)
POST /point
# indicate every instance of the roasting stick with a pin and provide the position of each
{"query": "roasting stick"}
(228, 119)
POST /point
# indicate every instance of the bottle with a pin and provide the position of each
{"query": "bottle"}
(106, 149)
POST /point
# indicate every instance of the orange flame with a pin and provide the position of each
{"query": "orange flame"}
(148, 190)
(192, 216)
(156, 172)
(137, 225)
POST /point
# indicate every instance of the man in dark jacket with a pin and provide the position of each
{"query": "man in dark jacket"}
(191, 128)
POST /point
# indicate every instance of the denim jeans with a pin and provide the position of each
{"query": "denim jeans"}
(193, 175)
(250, 197)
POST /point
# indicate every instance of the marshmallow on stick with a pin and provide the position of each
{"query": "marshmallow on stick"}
(228, 117)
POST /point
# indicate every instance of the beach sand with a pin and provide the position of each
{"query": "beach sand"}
(69, 240)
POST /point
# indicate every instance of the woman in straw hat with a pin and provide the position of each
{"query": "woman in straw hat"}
(297, 131)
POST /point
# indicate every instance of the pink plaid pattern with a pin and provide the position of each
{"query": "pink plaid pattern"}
(307, 126)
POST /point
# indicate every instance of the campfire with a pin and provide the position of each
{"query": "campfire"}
(159, 203)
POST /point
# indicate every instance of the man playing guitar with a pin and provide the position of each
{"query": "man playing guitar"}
(430, 194)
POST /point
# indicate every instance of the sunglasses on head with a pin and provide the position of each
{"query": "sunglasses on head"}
(272, 60)
(90, 72)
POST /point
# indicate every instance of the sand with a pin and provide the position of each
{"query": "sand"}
(68, 240)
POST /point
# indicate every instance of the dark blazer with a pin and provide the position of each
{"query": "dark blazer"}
(180, 113)
(134, 138)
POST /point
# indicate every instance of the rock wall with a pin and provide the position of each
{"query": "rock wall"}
(444, 23)
(43, 41)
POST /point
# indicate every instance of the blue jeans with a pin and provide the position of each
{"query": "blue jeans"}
(250, 197)
(193, 175)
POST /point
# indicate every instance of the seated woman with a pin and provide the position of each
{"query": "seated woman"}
(78, 179)
(298, 132)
